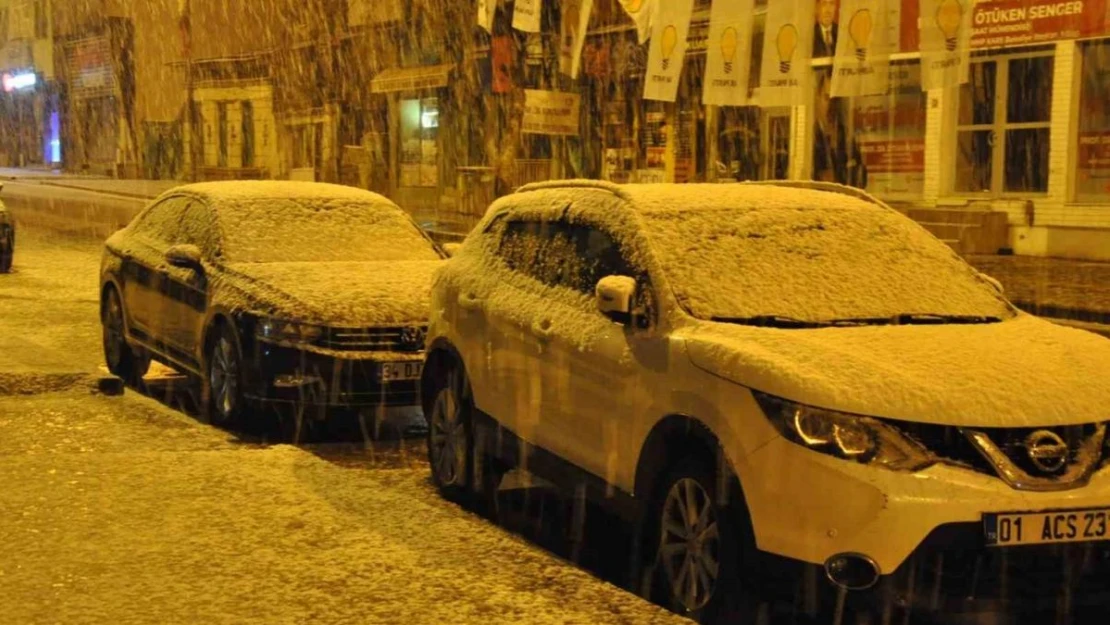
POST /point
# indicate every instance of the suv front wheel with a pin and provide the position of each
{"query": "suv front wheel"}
(450, 433)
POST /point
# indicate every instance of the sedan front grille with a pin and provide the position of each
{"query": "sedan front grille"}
(383, 339)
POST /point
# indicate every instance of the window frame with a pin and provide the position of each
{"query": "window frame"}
(1000, 125)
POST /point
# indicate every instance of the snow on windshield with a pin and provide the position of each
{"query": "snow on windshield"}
(300, 229)
(816, 264)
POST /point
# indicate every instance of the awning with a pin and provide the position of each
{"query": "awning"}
(410, 79)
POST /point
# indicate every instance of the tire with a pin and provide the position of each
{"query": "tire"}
(222, 385)
(451, 434)
(701, 548)
(7, 251)
(123, 361)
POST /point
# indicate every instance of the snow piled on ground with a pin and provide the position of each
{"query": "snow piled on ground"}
(1018, 373)
(117, 510)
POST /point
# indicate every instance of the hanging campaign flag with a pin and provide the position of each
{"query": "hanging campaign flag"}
(486, 9)
(945, 38)
(729, 53)
(670, 25)
(862, 62)
(526, 15)
(641, 12)
(572, 34)
(787, 49)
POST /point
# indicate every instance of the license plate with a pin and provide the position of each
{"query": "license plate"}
(1039, 528)
(392, 371)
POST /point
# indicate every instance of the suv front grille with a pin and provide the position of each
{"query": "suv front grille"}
(388, 339)
(1050, 458)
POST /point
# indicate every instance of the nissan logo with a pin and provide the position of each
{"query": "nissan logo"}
(1047, 451)
(412, 337)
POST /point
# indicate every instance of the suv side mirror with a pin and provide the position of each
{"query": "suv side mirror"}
(184, 255)
(615, 295)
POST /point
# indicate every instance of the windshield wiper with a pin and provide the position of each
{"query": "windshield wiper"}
(772, 321)
(917, 319)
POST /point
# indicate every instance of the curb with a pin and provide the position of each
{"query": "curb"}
(123, 194)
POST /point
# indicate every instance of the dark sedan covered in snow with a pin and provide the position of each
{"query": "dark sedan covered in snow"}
(276, 293)
(7, 237)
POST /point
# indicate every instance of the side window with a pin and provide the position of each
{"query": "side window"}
(597, 254)
(162, 221)
(519, 246)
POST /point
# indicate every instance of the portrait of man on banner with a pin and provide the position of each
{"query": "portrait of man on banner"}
(836, 156)
(825, 28)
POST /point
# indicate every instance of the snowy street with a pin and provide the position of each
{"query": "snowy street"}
(121, 509)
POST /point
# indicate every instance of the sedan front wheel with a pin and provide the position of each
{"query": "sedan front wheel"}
(222, 384)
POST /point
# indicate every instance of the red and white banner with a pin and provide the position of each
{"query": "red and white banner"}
(1022, 22)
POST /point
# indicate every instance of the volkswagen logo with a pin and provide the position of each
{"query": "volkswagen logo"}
(412, 338)
(1047, 451)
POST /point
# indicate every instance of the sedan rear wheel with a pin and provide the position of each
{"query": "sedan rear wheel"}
(122, 361)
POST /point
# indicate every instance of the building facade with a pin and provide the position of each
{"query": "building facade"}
(30, 121)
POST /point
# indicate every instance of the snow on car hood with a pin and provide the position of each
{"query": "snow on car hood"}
(1021, 372)
(341, 293)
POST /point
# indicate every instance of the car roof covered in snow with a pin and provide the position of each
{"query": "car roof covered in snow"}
(733, 196)
(232, 192)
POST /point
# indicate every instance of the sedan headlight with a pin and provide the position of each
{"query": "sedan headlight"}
(856, 438)
(272, 329)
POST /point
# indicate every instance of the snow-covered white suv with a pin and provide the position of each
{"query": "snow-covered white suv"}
(761, 374)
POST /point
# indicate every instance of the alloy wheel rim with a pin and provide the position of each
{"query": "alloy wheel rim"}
(448, 437)
(224, 377)
(113, 332)
(689, 544)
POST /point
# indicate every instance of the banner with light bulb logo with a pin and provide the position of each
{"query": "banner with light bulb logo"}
(728, 53)
(862, 63)
(787, 48)
(946, 29)
(667, 51)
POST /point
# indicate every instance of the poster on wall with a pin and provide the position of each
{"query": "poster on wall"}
(1022, 22)
(863, 50)
(527, 14)
(945, 37)
(890, 135)
(667, 54)
(728, 55)
(1093, 143)
(572, 34)
(550, 113)
(787, 48)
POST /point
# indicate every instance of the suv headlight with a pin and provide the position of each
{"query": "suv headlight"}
(856, 438)
(272, 329)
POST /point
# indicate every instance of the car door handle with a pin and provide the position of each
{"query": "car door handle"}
(468, 301)
(543, 329)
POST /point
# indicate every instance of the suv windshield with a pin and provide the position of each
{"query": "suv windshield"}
(814, 266)
(319, 230)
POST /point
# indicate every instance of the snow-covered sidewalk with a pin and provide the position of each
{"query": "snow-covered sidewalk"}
(119, 510)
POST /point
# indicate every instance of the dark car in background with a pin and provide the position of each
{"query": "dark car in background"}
(7, 237)
(285, 294)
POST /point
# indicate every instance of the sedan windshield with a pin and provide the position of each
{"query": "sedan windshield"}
(815, 267)
(319, 230)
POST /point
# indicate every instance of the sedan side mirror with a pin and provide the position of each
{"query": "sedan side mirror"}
(615, 295)
(184, 255)
(993, 282)
(451, 249)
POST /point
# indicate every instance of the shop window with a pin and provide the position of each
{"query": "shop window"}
(753, 144)
(420, 142)
(1003, 126)
(248, 133)
(1093, 163)
(223, 134)
(653, 142)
